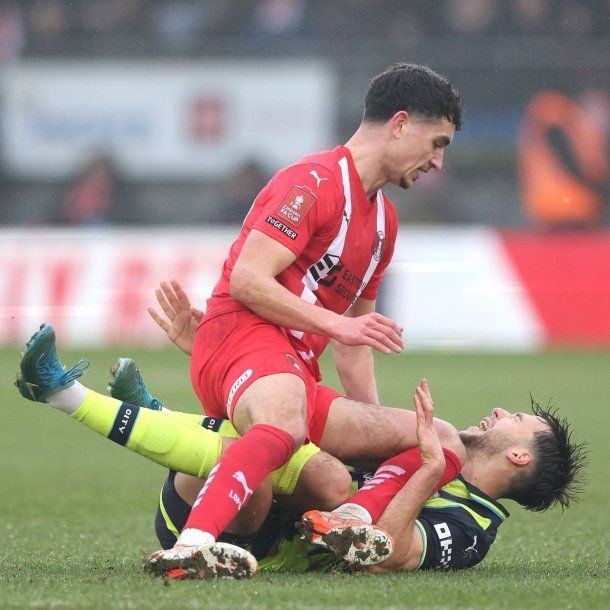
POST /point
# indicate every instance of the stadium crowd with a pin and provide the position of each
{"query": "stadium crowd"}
(523, 46)
(132, 27)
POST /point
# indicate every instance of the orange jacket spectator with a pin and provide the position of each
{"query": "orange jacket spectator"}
(562, 189)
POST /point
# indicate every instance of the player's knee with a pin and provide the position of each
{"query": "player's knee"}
(337, 482)
(337, 490)
(294, 425)
(298, 435)
(276, 400)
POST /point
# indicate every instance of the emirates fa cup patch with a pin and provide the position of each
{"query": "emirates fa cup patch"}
(296, 205)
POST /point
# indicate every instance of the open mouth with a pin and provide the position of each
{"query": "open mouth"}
(485, 424)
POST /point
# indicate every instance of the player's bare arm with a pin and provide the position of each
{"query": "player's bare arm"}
(254, 284)
(399, 517)
(355, 364)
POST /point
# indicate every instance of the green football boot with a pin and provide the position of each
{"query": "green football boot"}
(127, 385)
(42, 372)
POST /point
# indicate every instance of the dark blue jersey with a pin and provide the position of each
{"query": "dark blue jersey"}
(458, 525)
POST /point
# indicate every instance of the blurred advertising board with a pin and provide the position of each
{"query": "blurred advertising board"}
(450, 288)
(164, 120)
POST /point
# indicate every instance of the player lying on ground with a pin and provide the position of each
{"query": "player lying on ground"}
(460, 517)
(512, 456)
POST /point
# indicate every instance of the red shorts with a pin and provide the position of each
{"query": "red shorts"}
(232, 350)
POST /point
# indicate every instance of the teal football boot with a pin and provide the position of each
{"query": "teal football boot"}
(42, 372)
(127, 385)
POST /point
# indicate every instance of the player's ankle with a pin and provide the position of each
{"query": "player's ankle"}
(195, 537)
(69, 399)
(353, 511)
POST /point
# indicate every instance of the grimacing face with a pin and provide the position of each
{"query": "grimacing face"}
(419, 147)
(503, 429)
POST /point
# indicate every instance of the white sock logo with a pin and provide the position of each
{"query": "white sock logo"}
(203, 489)
(241, 477)
(382, 474)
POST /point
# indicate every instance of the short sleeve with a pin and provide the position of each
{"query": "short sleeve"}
(300, 201)
(387, 248)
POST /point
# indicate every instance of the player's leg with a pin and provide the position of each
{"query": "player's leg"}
(323, 483)
(244, 368)
(162, 437)
(127, 385)
(175, 501)
(376, 433)
(369, 502)
(43, 378)
(355, 542)
(308, 471)
(271, 416)
(186, 442)
(247, 521)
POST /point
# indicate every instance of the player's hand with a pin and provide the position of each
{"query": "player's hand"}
(371, 329)
(182, 318)
(427, 436)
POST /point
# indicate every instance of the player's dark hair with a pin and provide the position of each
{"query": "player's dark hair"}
(416, 89)
(558, 461)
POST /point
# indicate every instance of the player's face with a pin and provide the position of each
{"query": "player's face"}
(502, 428)
(419, 147)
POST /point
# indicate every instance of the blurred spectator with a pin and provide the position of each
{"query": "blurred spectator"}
(280, 18)
(91, 195)
(471, 16)
(107, 15)
(575, 18)
(530, 16)
(179, 25)
(187, 26)
(499, 53)
(563, 162)
(195, 26)
(11, 32)
(407, 29)
(238, 192)
(47, 20)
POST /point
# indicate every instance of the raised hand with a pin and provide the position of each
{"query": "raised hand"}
(370, 329)
(182, 318)
(427, 436)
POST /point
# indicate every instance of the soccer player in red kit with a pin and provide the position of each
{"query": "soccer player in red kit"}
(305, 269)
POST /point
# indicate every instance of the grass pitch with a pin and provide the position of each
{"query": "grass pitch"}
(77, 511)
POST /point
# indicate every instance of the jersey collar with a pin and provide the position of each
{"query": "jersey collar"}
(483, 499)
(357, 182)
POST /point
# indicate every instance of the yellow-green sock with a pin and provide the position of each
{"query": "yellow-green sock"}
(170, 439)
(194, 418)
(174, 439)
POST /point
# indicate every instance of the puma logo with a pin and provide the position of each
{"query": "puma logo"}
(314, 173)
(471, 549)
(239, 476)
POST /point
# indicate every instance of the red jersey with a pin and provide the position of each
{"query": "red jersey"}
(343, 242)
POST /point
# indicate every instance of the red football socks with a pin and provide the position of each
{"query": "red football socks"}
(239, 472)
(391, 477)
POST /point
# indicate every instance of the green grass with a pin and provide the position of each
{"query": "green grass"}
(77, 511)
